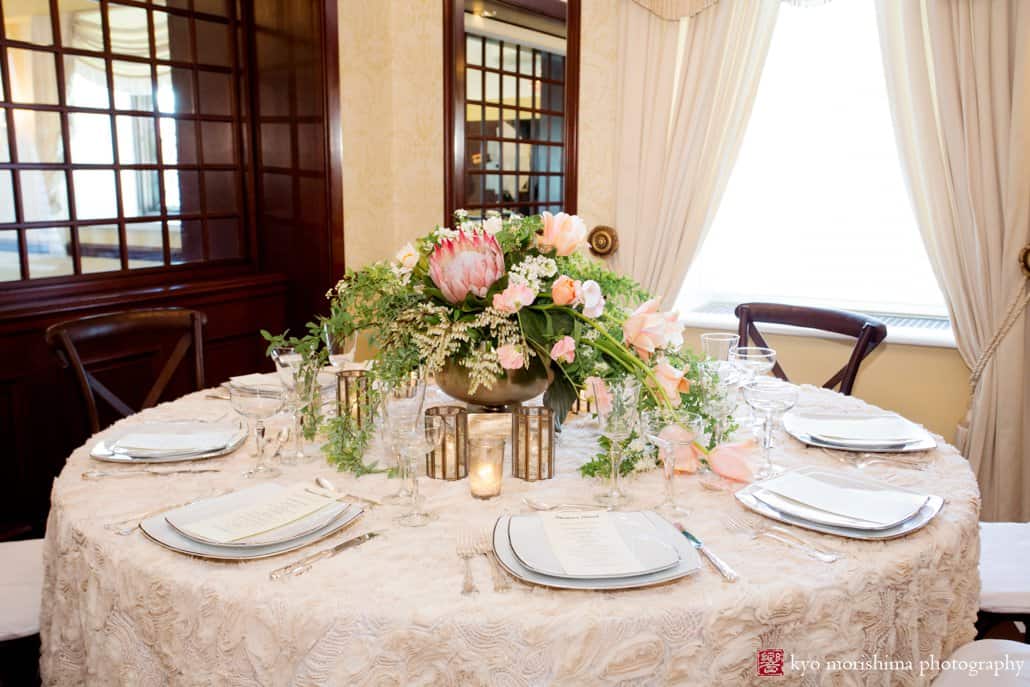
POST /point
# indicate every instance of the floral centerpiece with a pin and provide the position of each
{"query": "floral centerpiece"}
(485, 303)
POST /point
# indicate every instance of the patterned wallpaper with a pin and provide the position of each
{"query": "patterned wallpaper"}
(392, 91)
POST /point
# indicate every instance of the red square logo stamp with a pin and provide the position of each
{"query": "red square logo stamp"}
(770, 662)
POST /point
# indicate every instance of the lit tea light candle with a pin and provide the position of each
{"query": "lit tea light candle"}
(486, 462)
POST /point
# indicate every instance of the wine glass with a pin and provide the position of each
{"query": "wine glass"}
(674, 441)
(753, 361)
(721, 380)
(717, 345)
(416, 444)
(770, 399)
(341, 346)
(618, 420)
(289, 363)
(258, 404)
(399, 419)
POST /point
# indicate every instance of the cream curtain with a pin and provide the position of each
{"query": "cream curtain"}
(685, 93)
(958, 76)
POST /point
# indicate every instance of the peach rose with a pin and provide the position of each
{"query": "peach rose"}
(672, 382)
(730, 460)
(562, 233)
(514, 298)
(647, 330)
(564, 351)
(682, 443)
(597, 391)
(563, 291)
(511, 357)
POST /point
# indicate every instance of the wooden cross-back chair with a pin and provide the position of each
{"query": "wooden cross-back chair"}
(868, 332)
(118, 330)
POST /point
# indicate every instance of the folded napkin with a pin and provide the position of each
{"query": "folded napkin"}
(256, 380)
(884, 507)
(174, 442)
(869, 429)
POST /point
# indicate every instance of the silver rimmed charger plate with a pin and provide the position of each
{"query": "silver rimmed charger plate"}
(689, 563)
(102, 449)
(160, 532)
(924, 443)
(925, 514)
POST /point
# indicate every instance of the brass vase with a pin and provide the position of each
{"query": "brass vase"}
(514, 387)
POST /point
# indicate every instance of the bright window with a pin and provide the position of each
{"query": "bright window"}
(816, 211)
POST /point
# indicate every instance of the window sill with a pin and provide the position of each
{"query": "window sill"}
(905, 336)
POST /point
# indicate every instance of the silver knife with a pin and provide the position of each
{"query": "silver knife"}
(304, 564)
(725, 570)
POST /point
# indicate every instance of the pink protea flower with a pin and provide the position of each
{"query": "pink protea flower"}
(467, 263)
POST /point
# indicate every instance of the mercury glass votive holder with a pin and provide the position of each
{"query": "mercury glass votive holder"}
(352, 398)
(486, 466)
(532, 443)
(450, 459)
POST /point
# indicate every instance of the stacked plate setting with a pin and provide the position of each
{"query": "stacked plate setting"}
(842, 504)
(593, 550)
(205, 528)
(866, 433)
(169, 441)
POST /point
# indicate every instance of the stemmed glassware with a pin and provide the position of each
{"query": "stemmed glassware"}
(258, 404)
(753, 361)
(678, 441)
(618, 420)
(340, 346)
(770, 399)
(415, 443)
(717, 345)
(722, 381)
(289, 363)
(400, 419)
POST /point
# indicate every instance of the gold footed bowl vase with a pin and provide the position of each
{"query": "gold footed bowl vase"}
(515, 387)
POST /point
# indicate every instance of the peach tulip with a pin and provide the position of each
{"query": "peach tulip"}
(672, 381)
(562, 233)
(685, 451)
(647, 330)
(730, 460)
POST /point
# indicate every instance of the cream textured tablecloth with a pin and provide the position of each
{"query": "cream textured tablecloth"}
(123, 611)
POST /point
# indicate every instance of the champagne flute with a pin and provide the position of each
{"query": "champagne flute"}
(341, 346)
(717, 345)
(674, 441)
(417, 443)
(258, 404)
(770, 399)
(618, 420)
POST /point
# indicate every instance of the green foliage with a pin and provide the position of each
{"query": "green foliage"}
(346, 444)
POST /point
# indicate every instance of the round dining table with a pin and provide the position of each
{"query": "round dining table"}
(122, 610)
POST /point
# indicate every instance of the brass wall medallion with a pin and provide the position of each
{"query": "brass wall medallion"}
(603, 241)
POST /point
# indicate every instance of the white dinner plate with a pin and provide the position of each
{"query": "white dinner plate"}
(159, 531)
(930, 509)
(795, 425)
(647, 542)
(689, 563)
(180, 519)
(104, 449)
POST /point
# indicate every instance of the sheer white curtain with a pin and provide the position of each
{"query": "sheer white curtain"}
(685, 94)
(958, 75)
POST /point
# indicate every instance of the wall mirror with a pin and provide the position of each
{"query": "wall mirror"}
(511, 88)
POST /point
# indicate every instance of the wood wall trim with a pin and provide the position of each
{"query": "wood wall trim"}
(572, 68)
(334, 126)
(30, 313)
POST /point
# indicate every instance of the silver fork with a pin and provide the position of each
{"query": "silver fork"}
(466, 550)
(782, 535)
(485, 547)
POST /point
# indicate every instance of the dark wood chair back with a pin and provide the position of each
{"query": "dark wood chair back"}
(868, 332)
(112, 334)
